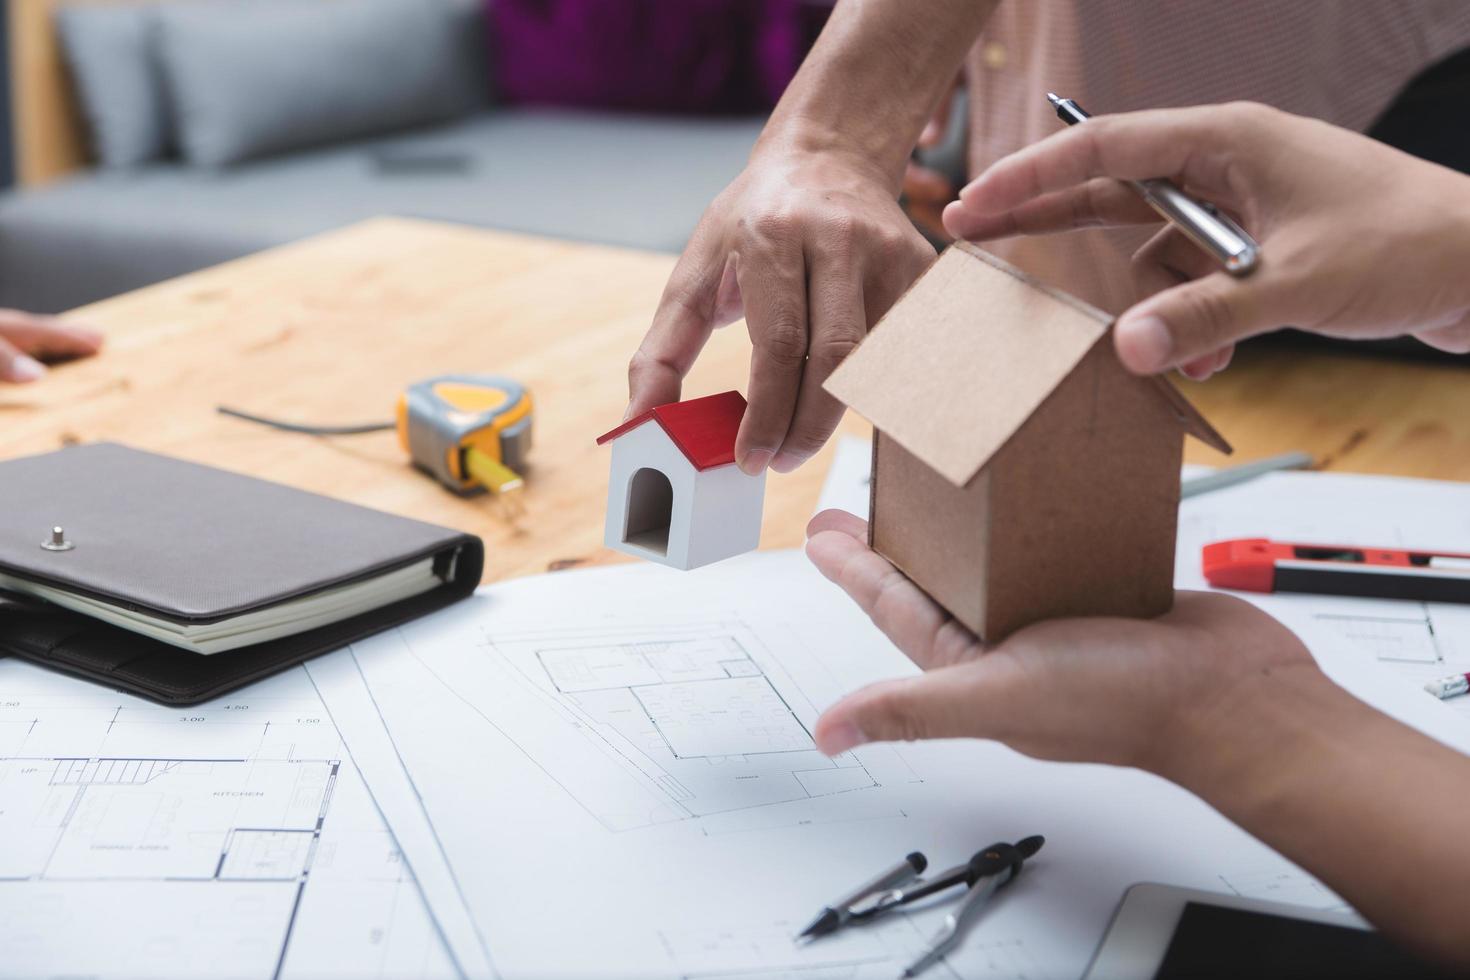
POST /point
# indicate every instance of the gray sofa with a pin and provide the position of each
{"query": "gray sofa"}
(621, 180)
(639, 181)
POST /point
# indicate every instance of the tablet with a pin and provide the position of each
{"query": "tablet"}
(1173, 933)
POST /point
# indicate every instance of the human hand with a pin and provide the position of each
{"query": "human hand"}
(1358, 239)
(29, 339)
(811, 248)
(1215, 696)
(1144, 693)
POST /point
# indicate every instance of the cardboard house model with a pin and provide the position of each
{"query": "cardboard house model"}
(675, 495)
(1020, 473)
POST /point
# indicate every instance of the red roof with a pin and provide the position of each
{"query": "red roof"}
(703, 428)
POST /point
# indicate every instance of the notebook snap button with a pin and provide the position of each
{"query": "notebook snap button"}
(57, 541)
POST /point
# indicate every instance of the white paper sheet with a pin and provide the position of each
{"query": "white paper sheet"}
(233, 839)
(399, 803)
(618, 764)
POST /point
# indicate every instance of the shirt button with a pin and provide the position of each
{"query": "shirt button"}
(994, 55)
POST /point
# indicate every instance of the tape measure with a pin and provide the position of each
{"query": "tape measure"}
(469, 431)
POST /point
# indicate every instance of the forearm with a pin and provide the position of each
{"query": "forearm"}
(1373, 808)
(868, 86)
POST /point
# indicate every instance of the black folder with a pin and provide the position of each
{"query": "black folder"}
(104, 548)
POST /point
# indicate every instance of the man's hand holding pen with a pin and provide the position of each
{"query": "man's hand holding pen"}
(1361, 240)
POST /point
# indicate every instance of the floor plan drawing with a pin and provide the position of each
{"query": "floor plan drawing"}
(232, 839)
(1395, 639)
(661, 772)
(1421, 642)
(705, 722)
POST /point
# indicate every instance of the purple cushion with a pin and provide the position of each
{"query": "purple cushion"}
(705, 56)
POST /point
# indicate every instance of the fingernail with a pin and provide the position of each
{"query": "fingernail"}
(754, 462)
(1149, 341)
(25, 368)
(785, 462)
(840, 738)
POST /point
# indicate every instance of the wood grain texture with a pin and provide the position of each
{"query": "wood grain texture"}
(331, 329)
(1354, 412)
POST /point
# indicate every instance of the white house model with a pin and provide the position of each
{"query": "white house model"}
(675, 495)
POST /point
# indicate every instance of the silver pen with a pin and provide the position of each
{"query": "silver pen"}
(1202, 222)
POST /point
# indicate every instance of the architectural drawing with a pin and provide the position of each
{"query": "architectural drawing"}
(661, 774)
(1420, 641)
(695, 714)
(1405, 638)
(231, 839)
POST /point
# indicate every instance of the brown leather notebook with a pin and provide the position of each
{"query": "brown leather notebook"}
(181, 582)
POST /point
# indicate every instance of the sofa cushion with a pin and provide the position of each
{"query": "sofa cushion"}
(250, 79)
(108, 49)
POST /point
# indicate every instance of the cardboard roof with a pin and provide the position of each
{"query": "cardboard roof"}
(968, 354)
(703, 428)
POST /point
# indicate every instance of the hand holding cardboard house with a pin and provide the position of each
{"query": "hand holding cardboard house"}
(1020, 473)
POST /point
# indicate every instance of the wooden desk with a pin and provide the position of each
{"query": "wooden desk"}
(331, 329)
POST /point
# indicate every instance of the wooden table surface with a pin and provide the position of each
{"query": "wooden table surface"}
(329, 330)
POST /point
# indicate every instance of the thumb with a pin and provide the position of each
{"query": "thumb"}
(1190, 321)
(681, 325)
(949, 702)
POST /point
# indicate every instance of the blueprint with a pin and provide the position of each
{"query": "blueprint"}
(653, 781)
(701, 720)
(228, 840)
(629, 748)
(610, 773)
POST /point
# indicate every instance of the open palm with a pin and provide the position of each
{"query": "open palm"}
(1087, 690)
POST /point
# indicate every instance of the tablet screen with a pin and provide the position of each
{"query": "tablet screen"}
(1212, 941)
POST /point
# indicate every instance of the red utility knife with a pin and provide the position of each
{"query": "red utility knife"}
(1261, 565)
